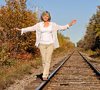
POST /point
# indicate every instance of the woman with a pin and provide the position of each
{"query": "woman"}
(46, 39)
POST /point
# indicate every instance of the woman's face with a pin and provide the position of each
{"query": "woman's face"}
(45, 17)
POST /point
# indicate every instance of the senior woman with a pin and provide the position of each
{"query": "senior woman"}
(46, 39)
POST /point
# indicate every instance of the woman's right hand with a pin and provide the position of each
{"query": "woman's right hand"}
(18, 29)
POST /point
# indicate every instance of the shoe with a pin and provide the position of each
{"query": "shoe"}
(45, 78)
(40, 76)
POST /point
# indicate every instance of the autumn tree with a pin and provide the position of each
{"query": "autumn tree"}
(15, 14)
(91, 39)
(65, 41)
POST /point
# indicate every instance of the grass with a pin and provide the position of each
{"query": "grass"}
(18, 68)
(95, 55)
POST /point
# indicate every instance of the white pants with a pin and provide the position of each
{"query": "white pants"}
(46, 51)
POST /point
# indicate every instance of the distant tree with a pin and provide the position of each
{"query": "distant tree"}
(80, 43)
(65, 41)
(92, 37)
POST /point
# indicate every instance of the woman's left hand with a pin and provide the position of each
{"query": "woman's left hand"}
(72, 22)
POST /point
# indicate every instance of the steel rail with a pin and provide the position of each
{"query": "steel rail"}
(96, 71)
(44, 83)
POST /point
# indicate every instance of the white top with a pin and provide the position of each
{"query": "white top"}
(46, 34)
(38, 27)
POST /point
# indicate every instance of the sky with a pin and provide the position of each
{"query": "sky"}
(64, 11)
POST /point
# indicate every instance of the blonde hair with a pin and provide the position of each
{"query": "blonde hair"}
(44, 13)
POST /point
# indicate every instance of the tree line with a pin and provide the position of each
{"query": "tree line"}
(91, 40)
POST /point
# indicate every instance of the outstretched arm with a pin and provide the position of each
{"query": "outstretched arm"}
(27, 29)
(59, 27)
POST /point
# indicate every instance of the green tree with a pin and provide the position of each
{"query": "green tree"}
(92, 37)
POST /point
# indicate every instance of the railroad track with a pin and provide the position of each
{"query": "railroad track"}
(73, 73)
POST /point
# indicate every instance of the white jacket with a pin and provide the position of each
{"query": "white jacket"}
(37, 27)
